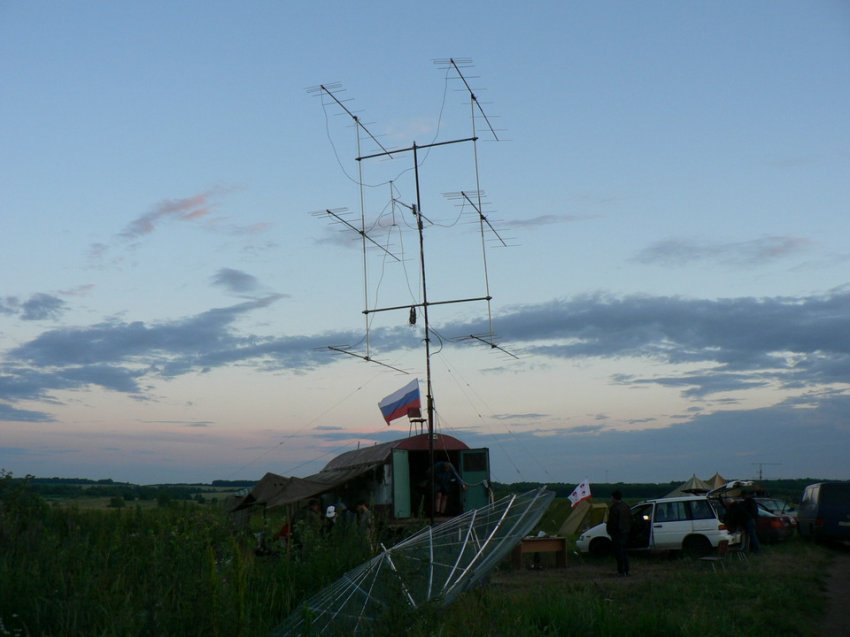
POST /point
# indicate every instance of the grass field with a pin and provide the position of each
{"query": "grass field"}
(183, 570)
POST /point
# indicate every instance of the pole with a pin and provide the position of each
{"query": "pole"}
(429, 394)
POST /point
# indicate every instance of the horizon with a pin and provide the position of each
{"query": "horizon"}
(813, 480)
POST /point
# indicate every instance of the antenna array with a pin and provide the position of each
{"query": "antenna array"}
(473, 198)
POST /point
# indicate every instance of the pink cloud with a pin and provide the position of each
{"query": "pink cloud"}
(186, 209)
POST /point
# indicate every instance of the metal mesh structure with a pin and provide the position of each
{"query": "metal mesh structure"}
(434, 565)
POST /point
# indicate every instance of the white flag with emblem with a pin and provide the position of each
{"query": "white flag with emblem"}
(580, 493)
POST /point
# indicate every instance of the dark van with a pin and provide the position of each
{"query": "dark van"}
(824, 513)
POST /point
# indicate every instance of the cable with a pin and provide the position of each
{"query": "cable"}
(463, 385)
(309, 425)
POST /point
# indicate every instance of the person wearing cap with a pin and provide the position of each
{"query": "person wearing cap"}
(330, 519)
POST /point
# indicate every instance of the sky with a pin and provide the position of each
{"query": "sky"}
(667, 194)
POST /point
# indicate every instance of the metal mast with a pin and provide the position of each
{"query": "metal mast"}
(474, 199)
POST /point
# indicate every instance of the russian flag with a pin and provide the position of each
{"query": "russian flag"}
(401, 402)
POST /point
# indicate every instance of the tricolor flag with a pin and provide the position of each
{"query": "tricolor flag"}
(402, 402)
(580, 493)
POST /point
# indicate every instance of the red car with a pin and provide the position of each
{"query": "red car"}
(773, 527)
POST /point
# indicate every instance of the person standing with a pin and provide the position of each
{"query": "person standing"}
(618, 526)
(364, 522)
(446, 481)
(751, 508)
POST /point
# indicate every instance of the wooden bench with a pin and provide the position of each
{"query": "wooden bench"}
(556, 545)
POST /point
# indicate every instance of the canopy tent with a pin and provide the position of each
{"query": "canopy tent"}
(694, 485)
(716, 481)
(585, 515)
(274, 490)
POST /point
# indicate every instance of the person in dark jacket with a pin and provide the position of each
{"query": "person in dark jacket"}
(618, 526)
(446, 481)
(751, 508)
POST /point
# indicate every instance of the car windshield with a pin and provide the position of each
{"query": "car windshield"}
(774, 506)
(763, 510)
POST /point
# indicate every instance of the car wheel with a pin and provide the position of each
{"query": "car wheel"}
(696, 546)
(600, 546)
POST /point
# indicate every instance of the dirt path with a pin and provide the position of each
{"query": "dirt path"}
(586, 569)
(836, 621)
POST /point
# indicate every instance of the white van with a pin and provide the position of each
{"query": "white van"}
(687, 523)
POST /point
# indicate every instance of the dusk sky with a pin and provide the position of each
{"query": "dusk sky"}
(672, 181)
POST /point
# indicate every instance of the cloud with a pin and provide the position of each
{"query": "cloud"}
(117, 355)
(28, 383)
(42, 306)
(96, 256)
(251, 230)
(711, 348)
(10, 413)
(119, 342)
(741, 343)
(185, 423)
(755, 252)
(97, 251)
(525, 416)
(801, 441)
(37, 308)
(401, 131)
(187, 209)
(80, 290)
(547, 220)
(235, 281)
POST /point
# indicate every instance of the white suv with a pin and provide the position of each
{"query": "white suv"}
(688, 523)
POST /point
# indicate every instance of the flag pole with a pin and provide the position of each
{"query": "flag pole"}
(429, 394)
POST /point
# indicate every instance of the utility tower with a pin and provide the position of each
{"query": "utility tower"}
(761, 466)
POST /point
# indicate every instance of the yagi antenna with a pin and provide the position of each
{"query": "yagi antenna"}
(464, 197)
(334, 213)
(492, 345)
(326, 89)
(456, 63)
(368, 359)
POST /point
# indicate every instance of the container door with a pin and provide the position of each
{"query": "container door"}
(401, 484)
(475, 471)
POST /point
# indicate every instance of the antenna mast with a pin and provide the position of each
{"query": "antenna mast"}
(472, 198)
(761, 466)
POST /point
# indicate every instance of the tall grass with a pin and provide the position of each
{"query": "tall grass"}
(177, 570)
(182, 570)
